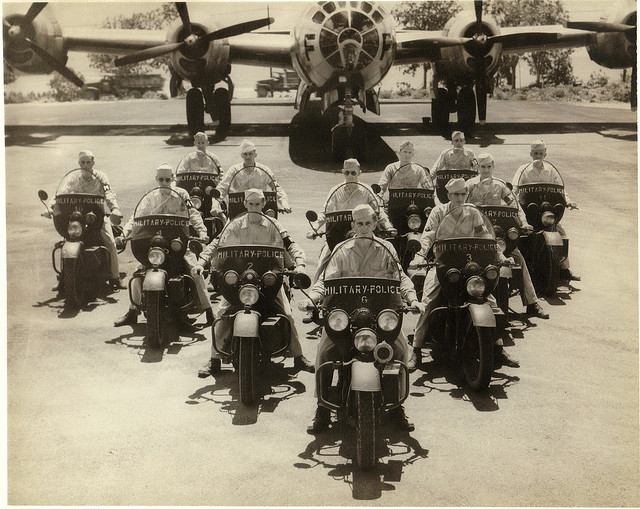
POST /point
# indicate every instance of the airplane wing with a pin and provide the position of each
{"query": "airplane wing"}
(272, 48)
(112, 40)
(417, 46)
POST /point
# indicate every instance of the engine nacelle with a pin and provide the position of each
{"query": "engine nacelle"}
(208, 62)
(616, 50)
(458, 60)
(350, 39)
(44, 31)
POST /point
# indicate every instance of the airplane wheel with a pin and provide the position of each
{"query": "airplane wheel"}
(440, 112)
(195, 111)
(222, 109)
(466, 109)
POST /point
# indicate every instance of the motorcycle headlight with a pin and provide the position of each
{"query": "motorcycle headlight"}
(231, 277)
(338, 320)
(156, 256)
(248, 295)
(91, 218)
(491, 272)
(250, 276)
(545, 205)
(269, 278)
(74, 229)
(472, 269)
(388, 320)
(502, 245)
(453, 275)
(513, 233)
(365, 340)
(547, 219)
(176, 245)
(414, 222)
(196, 202)
(475, 286)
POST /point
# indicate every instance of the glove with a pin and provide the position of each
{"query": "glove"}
(310, 235)
(119, 242)
(416, 260)
(299, 269)
(305, 304)
(392, 232)
(419, 306)
(527, 228)
(46, 214)
(215, 207)
(287, 210)
(197, 270)
(116, 216)
(572, 205)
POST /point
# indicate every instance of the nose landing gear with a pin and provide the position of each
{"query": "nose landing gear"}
(217, 103)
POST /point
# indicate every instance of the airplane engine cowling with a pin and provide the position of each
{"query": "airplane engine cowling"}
(459, 59)
(44, 31)
(616, 50)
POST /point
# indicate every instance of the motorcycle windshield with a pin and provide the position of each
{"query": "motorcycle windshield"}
(465, 234)
(161, 211)
(337, 209)
(197, 162)
(251, 177)
(535, 173)
(362, 272)
(410, 176)
(187, 180)
(541, 191)
(79, 192)
(251, 241)
(443, 176)
(405, 190)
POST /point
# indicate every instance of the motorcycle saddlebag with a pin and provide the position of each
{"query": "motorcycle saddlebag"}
(97, 261)
(394, 383)
(177, 289)
(275, 332)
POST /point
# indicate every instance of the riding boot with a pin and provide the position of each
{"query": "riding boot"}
(129, 318)
(321, 421)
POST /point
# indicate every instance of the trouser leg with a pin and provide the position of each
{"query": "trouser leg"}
(106, 234)
(201, 287)
(563, 234)
(430, 294)
(323, 259)
(528, 291)
(222, 328)
(282, 304)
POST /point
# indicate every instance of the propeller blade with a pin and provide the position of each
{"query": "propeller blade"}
(55, 63)
(184, 16)
(442, 42)
(240, 28)
(533, 38)
(599, 26)
(34, 10)
(478, 6)
(6, 23)
(146, 54)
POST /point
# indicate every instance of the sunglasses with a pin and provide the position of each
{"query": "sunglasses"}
(162, 179)
(354, 172)
(459, 194)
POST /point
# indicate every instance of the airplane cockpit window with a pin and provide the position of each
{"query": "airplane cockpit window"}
(366, 7)
(377, 17)
(342, 4)
(318, 17)
(337, 22)
(361, 22)
(329, 7)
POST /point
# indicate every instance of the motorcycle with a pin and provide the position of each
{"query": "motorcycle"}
(159, 240)
(506, 226)
(362, 316)
(544, 250)
(238, 186)
(78, 217)
(443, 176)
(200, 187)
(249, 275)
(462, 330)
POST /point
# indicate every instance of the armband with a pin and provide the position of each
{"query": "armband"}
(287, 241)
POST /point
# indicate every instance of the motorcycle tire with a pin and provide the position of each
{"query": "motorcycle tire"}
(477, 357)
(155, 310)
(365, 430)
(502, 295)
(247, 369)
(544, 268)
(75, 283)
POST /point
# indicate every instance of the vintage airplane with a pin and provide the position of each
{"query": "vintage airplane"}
(340, 49)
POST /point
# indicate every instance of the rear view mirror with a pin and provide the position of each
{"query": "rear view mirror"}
(302, 281)
(311, 216)
(43, 195)
(376, 188)
(195, 247)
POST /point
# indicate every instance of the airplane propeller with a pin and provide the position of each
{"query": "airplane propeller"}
(191, 40)
(16, 37)
(477, 47)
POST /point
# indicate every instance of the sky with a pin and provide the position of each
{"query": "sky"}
(92, 14)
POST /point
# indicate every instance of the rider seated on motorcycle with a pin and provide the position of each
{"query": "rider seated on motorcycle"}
(539, 171)
(364, 223)
(252, 230)
(200, 160)
(485, 190)
(95, 182)
(461, 220)
(251, 175)
(403, 174)
(456, 158)
(171, 204)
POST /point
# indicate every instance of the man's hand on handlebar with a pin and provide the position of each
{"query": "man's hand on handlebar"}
(305, 305)
(197, 270)
(120, 242)
(417, 307)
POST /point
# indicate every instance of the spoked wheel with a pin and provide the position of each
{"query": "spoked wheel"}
(195, 111)
(247, 369)
(155, 311)
(477, 357)
(365, 430)
(222, 109)
(76, 284)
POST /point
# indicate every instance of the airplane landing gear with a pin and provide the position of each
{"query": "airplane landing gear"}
(440, 112)
(347, 139)
(222, 110)
(195, 111)
(466, 110)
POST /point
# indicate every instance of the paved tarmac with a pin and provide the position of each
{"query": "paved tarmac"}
(96, 418)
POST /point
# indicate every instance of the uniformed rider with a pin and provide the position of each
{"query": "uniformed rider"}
(462, 219)
(456, 158)
(539, 171)
(251, 175)
(404, 174)
(253, 229)
(93, 181)
(358, 261)
(200, 160)
(485, 190)
(171, 205)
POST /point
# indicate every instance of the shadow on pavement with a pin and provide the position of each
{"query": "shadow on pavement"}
(276, 384)
(335, 450)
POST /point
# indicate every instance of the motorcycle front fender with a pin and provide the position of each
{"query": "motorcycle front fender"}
(71, 249)
(246, 325)
(154, 281)
(365, 377)
(482, 315)
(552, 239)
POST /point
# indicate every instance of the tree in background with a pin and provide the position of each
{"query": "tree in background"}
(432, 15)
(9, 75)
(552, 67)
(63, 90)
(156, 19)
